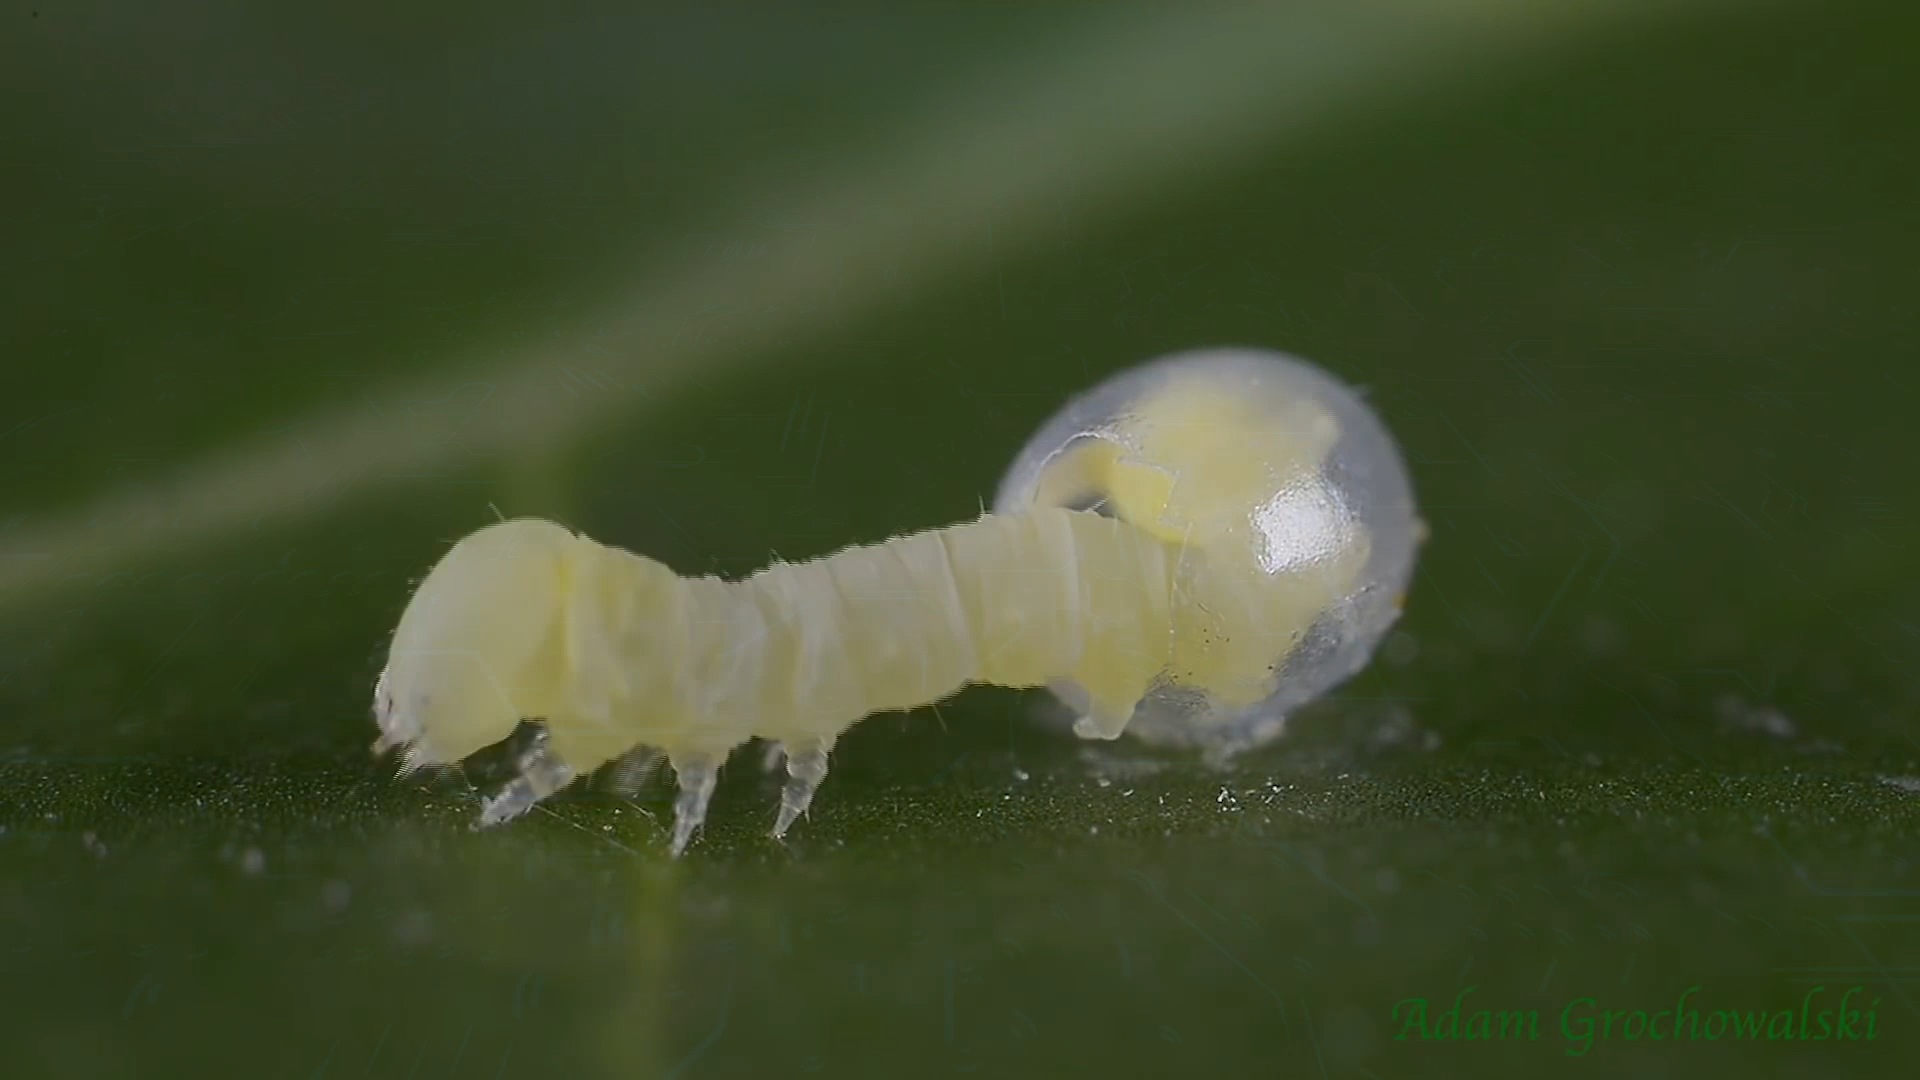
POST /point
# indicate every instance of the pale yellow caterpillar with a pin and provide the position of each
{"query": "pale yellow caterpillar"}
(1200, 543)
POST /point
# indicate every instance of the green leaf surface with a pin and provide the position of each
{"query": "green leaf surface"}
(1636, 294)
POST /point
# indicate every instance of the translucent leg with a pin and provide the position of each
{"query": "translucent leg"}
(1107, 709)
(541, 774)
(633, 768)
(697, 774)
(806, 767)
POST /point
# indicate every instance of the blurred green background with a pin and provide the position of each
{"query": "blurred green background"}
(294, 298)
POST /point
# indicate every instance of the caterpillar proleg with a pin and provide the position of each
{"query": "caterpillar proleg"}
(1195, 547)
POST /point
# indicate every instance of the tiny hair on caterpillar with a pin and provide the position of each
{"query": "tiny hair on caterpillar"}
(1189, 552)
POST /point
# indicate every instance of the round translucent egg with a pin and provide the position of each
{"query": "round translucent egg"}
(1339, 493)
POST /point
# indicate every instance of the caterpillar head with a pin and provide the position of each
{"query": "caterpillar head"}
(477, 648)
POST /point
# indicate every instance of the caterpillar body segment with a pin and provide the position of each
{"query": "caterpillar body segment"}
(800, 651)
(1193, 548)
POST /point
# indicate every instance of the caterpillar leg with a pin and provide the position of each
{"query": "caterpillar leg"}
(632, 768)
(541, 774)
(806, 767)
(1097, 717)
(697, 774)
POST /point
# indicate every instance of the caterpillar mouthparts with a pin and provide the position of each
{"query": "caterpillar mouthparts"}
(1189, 551)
